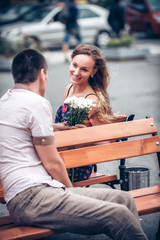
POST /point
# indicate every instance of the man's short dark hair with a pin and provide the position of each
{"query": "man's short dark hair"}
(26, 66)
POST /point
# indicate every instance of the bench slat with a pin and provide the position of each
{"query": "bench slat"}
(8, 226)
(94, 179)
(105, 132)
(25, 233)
(6, 222)
(148, 204)
(1, 194)
(145, 191)
(110, 152)
(2, 198)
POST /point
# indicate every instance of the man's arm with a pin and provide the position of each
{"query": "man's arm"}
(53, 163)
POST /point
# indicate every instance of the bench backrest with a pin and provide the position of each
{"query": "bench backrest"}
(109, 151)
(139, 143)
(105, 132)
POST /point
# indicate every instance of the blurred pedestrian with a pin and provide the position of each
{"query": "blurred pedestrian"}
(116, 18)
(71, 26)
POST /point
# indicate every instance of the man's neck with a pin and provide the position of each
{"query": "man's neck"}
(22, 86)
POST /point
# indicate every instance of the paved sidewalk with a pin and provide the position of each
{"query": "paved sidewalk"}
(139, 50)
(56, 57)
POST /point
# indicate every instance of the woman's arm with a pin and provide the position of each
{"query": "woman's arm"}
(62, 127)
(94, 120)
(119, 118)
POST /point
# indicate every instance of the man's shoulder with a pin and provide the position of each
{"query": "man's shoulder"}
(35, 99)
(25, 98)
(18, 98)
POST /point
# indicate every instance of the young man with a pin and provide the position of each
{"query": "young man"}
(37, 189)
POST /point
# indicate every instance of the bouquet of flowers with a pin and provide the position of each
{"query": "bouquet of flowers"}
(78, 110)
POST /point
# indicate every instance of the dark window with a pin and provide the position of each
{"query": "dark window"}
(87, 13)
(138, 5)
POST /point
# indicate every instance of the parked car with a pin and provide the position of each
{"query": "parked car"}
(15, 13)
(144, 16)
(44, 26)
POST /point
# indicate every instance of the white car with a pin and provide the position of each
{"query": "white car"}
(44, 26)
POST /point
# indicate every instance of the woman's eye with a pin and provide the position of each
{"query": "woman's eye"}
(85, 70)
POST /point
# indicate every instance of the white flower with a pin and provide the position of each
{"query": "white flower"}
(80, 102)
(72, 101)
(78, 109)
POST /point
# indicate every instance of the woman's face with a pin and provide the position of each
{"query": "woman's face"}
(81, 68)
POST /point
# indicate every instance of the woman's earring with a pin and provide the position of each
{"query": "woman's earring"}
(92, 76)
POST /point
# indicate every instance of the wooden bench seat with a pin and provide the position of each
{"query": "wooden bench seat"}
(1, 194)
(99, 145)
(147, 201)
(95, 178)
(10, 231)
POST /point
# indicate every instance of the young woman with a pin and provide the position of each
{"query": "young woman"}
(89, 78)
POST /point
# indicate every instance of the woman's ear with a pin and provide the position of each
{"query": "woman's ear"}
(95, 70)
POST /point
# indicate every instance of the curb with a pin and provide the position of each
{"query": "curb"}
(5, 65)
(113, 54)
(125, 53)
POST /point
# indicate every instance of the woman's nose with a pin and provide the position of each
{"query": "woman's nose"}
(77, 71)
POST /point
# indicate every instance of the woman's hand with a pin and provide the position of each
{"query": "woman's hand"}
(62, 126)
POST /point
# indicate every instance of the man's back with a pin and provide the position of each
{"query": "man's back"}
(21, 118)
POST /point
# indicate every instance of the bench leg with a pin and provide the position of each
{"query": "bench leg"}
(112, 183)
(122, 180)
(122, 166)
(95, 167)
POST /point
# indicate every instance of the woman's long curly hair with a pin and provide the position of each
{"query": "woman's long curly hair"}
(99, 82)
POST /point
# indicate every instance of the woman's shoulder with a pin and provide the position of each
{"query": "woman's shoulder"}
(66, 91)
(68, 86)
(92, 96)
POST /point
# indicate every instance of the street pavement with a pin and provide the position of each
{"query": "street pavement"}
(134, 89)
(153, 49)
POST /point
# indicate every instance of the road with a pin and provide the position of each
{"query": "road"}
(134, 89)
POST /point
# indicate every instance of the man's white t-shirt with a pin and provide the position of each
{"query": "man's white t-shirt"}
(25, 120)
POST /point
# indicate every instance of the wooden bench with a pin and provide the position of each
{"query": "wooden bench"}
(109, 133)
(98, 145)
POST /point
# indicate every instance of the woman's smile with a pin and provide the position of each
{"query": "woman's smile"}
(76, 78)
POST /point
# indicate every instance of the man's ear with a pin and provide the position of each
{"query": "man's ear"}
(42, 82)
(42, 75)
